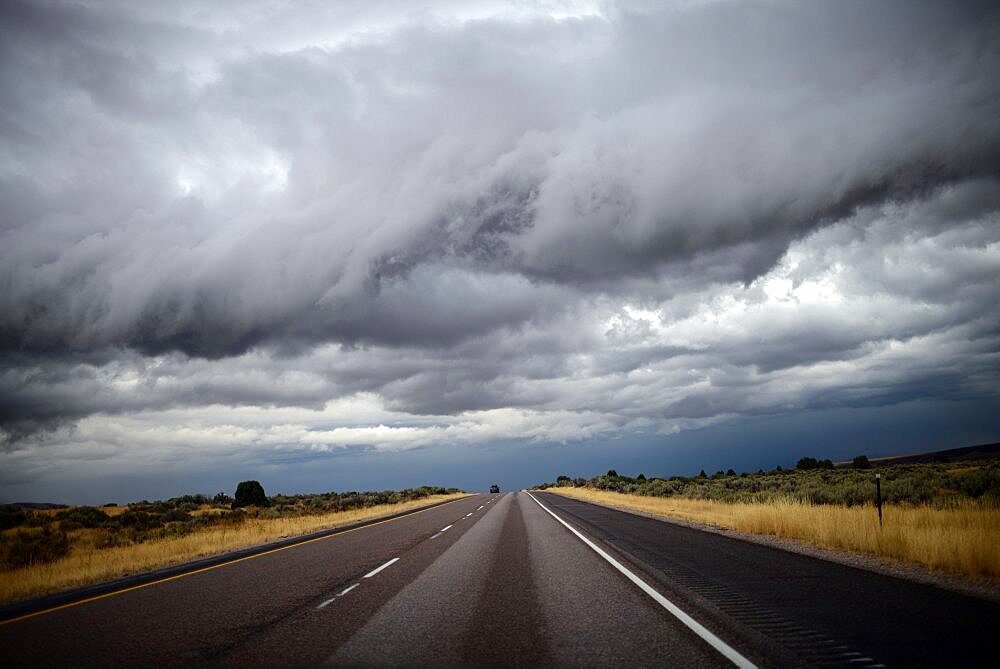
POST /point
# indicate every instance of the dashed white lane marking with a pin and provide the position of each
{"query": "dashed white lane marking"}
(442, 531)
(378, 569)
(339, 595)
(467, 515)
(715, 642)
(480, 508)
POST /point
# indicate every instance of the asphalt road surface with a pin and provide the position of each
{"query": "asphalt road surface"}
(515, 580)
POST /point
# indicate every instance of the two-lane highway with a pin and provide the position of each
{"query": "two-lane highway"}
(511, 580)
(517, 589)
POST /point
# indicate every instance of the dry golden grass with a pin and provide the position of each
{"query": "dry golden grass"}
(87, 564)
(963, 540)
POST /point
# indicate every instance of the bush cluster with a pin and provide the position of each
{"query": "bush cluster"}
(11, 516)
(26, 548)
(938, 484)
(82, 516)
(42, 537)
(813, 463)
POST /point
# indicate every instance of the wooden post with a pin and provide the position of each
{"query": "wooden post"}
(878, 497)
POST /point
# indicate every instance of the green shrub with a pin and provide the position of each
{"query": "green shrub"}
(11, 516)
(30, 548)
(82, 516)
(174, 516)
(137, 520)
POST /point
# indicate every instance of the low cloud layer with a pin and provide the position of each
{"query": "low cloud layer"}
(563, 222)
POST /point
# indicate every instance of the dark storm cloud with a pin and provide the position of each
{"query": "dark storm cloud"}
(637, 144)
(660, 213)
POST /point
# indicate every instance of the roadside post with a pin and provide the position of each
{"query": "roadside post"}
(878, 497)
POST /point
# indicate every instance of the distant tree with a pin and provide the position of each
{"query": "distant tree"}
(249, 493)
(702, 474)
(612, 473)
(778, 469)
(640, 477)
(813, 463)
(861, 462)
(807, 463)
(719, 474)
(561, 478)
(730, 472)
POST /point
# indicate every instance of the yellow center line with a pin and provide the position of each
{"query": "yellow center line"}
(216, 566)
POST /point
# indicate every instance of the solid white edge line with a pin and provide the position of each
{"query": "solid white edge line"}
(378, 569)
(715, 642)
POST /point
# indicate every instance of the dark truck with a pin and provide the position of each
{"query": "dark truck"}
(494, 488)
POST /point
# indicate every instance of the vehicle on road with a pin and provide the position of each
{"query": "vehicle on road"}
(494, 488)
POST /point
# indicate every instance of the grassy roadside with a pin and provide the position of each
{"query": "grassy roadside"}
(963, 539)
(89, 561)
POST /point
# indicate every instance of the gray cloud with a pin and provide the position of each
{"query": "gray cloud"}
(490, 223)
(270, 201)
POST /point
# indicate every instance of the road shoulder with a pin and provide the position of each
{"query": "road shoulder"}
(916, 573)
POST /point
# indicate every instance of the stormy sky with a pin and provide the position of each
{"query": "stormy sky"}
(378, 244)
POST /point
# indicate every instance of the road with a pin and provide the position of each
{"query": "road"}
(501, 580)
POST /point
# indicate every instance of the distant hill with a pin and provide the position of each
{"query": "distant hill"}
(38, 506)
(949, 455)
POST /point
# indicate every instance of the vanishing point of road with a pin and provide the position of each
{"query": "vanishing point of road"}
(515, 580)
